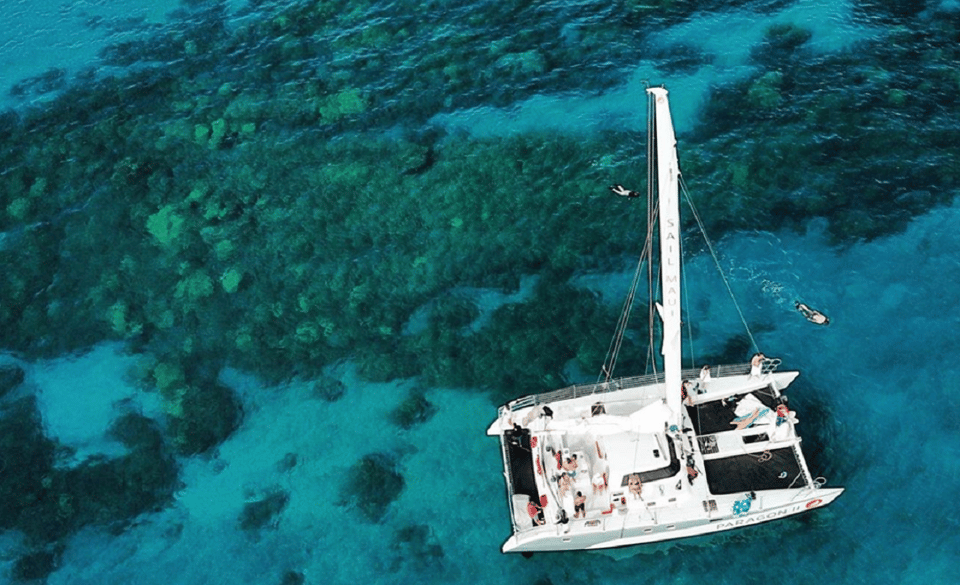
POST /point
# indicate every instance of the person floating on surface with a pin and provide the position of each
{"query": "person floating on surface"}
(812, 315)
(623, 192)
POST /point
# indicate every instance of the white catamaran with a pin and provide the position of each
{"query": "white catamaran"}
(667, 455)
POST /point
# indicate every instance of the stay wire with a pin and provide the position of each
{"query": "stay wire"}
(716, 261)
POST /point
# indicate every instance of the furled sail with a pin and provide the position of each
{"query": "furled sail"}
(667, 188)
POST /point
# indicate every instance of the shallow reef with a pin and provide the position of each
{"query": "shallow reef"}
(328, 388)
(416, 545)
(48, 501)
(273, 225)
(263, 512)
(10, 378)
(414, 410)
(36, 566)
(371, 484)
(266, 191)
(27, 457)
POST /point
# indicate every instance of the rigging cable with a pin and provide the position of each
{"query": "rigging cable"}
(653, 205)
(613, 352)
(686, 302)
(716, 261)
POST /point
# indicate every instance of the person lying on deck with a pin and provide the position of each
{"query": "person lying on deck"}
(745, 421)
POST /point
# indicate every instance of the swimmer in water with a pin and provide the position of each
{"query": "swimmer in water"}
(812, 315)
(623, 192)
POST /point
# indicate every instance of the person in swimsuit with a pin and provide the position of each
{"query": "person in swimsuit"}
(747, 420)
(570, 466)
(812, 315)
(564, 483)
(579, 503)
(756, 365)
(686, 392)
(634, 485)
(623, 192)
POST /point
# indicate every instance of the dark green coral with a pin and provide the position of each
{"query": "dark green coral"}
(371, 485)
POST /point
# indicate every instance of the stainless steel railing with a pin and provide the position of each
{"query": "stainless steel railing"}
(580, 390)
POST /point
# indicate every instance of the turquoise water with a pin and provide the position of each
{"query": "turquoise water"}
(270, 267)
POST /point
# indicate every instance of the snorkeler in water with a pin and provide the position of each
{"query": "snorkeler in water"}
(623, 192)
(812, 315)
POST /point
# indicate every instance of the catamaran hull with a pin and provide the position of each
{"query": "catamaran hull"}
(552, 538)
(662, 456)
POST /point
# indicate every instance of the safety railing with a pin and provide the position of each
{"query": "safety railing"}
(580, 390)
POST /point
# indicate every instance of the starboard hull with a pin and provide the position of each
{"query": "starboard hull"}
(550, 539)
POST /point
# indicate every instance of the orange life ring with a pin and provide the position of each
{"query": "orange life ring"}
(814, 503)
(539, 467)
(533, 442)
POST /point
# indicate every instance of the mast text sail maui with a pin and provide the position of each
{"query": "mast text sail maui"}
(667, 188)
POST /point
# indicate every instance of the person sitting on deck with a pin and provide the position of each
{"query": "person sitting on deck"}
(756, 364)
(599, 483)
(686, 392)
(692, 472)
(634, 485)
(564, 483)
(570, 465)
(535, 512)
(541, 410)
(704, 378)
(812, 315)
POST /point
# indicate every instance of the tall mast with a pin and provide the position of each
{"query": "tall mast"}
(669, 203)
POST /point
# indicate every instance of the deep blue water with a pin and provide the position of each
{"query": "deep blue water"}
(877, 398)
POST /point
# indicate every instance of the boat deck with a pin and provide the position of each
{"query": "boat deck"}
(772, 469)
(716, 416)
(688, 475)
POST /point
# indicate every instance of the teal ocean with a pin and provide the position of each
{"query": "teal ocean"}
(268, 268)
